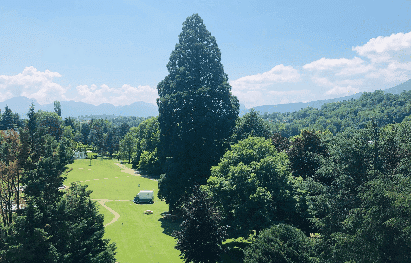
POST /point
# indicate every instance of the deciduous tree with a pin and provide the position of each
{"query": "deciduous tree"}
(251, 124)
(250, 184)
(281, 243)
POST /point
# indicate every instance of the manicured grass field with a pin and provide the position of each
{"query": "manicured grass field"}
(139, 237)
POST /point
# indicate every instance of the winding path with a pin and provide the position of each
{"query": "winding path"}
(127, 170)
(103, 203)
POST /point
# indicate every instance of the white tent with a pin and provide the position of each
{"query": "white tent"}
(79, 155)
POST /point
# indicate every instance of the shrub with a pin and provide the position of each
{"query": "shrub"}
(281, 243)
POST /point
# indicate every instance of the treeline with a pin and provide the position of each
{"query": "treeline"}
(329, 185)
(101, 135)
(316, 197)
(40, 222)
(383, 108)
(313, 197)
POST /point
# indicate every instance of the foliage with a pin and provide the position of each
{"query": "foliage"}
(384, 108)
(147, 136)
(281, 243)
(48, 228)
(280, 142)
(196, 112)
(305, 152)
(49, 123)
(359, 211)
(251, 186)
(57, 108)
(9, 120)
(10, 175)
(201, 236)
(377, 230)
(74, 235)
(127, 147)
(150, 163)
(103, 134)
(234, 248)
(79, 234)
(251, 124)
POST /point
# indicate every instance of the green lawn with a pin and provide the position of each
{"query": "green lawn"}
(107, 215)
(139, 237)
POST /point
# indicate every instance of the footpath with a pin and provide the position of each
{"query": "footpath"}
(127, 170)
(103, 203)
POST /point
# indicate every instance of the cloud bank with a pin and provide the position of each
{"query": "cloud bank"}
(32, 84)
(42, 87)
(381, 63)
(125, 95)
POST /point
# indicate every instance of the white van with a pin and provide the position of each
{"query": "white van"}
(145, 196)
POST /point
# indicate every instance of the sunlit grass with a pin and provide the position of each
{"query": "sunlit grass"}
(139, 237)
(107, 215)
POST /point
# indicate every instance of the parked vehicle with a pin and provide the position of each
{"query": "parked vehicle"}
(144, 196)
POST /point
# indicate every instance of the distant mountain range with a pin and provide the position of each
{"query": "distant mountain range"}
(291, 107)
(21, 105)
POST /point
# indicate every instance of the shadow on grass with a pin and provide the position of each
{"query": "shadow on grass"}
(148, 176)
(170, 226)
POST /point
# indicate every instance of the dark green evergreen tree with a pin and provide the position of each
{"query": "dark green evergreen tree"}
(201, 235)
(197, 111)
(53, 227)
(79, 230)
(7, 121)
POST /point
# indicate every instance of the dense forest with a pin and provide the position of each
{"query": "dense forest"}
(316, 185)
(383, 108)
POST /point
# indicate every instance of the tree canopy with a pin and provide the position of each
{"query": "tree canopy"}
(250, 184)
(197, 111)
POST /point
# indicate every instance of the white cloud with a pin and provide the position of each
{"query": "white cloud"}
(395, 42)
(340, 66)
(257, 89)
(381, 63)
(40, 86)
(392, 73)
(125, 95)
(278, 74)
(291, 96)
(252, 98)
(390, 56)
(324, 82)
(32, 83)
(329, 64)
(342, 91)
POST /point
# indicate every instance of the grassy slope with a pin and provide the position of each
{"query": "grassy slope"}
(139, 237)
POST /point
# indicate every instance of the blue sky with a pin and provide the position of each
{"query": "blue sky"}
(274, 52)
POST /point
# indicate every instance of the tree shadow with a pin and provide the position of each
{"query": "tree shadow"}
(169, 225)
(148, 176)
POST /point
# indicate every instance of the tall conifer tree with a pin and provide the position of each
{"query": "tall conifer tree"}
(197, 111)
